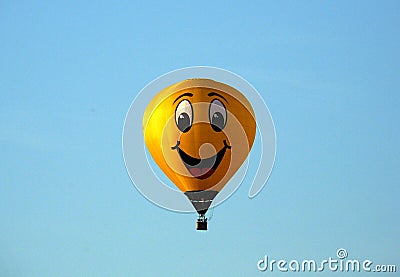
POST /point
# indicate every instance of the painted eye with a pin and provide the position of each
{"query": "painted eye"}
(217, 115)
(184, 116)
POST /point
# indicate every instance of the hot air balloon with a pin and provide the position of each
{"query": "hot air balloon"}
(199, 132)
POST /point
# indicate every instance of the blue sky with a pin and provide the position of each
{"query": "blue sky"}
(328, 71)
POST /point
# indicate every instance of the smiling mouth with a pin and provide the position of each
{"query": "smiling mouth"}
(201, 168)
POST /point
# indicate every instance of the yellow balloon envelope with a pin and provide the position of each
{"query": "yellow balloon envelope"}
(199, 132)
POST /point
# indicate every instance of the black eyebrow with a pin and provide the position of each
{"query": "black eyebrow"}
(185, 94)
(217, 94)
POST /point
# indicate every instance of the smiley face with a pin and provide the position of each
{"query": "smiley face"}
(199, 132)
(201, 168)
